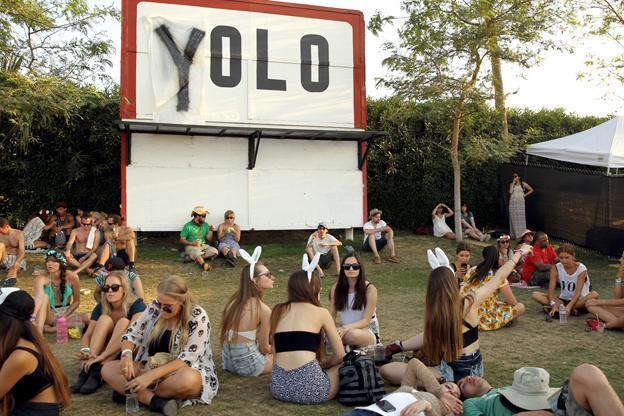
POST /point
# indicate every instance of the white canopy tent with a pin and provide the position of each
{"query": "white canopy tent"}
(602, 145)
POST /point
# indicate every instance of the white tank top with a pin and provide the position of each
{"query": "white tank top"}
(568, 281)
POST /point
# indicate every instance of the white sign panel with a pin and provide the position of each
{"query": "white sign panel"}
(201, 65)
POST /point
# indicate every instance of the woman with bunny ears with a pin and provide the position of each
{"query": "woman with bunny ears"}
(246, 320)
(356, 300)
(451, 336)
(301, 374)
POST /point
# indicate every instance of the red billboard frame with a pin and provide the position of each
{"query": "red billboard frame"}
(127, 108)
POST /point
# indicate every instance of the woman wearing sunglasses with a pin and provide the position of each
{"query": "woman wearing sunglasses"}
(301, 373)
(245, 325)
(228, 235)
(109, 321)
(356, 300)
(166, 354)
(57, 291)
(493, 313)
(32, 381)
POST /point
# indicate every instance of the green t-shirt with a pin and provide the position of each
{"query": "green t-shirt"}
(487, 405)
(192, 232)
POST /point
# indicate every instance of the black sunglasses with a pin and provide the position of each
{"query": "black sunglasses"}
(267, 273)
(229, 218)
(164, 306)
(108, 288)
(352, 266)
(86, 223)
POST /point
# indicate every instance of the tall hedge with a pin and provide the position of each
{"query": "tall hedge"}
(409, 172)
(57, 141)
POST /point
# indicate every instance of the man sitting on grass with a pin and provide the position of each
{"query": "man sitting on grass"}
(374, 240)
(87, 240)
(587, 392)
(12, 252)
(322, 242)
(195, 236)
(536, 269)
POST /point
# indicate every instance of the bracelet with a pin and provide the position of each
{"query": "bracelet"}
(85, 349)
(553, 303)
(126, 353)
(401, 345)
(513, 261)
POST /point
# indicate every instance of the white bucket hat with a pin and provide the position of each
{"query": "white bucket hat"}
(530, 389)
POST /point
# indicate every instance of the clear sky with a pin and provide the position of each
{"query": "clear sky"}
(554, 83)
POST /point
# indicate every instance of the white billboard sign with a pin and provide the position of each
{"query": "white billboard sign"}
(203, 65)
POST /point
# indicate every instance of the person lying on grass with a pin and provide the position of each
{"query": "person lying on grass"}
(109, 321)
(587, 392)
(574, 281)
(451, 337)
(166, 355)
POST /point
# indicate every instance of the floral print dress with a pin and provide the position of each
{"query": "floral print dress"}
(493, 313)
(197, 353)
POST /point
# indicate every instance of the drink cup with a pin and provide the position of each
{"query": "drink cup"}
(132, 403)
(601, 328)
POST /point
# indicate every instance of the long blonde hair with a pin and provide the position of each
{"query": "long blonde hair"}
(128, 296)
(176, 288)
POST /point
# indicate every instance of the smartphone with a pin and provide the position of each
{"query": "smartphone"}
(386, 406)
(464, 265)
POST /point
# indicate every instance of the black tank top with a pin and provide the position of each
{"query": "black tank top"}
(31, 384)
(297, 341)
(470, 336)
(162, 345)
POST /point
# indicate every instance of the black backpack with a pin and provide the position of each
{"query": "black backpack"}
(360, 382)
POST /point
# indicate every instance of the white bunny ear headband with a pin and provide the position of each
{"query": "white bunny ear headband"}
(438, 259)
(309, 266)
(251, 259)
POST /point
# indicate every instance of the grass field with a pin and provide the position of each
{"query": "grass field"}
(533, 342)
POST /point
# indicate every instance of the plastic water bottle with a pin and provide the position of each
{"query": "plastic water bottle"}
(563, 314)
(132, 403)
(61, 330)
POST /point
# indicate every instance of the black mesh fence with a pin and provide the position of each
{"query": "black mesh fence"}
(582, 206)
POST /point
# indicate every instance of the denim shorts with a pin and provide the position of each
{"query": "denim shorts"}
(564, 404)
(244, 359)
(466, 365)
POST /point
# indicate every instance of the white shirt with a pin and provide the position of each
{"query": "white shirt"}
(316, 243)
(568, 282)
(370, 226)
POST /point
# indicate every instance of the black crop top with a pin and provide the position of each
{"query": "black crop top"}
(297, 341)
(31, 384)
(471, 335)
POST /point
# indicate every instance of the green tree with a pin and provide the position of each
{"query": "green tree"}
(55, 38)
(438, 59)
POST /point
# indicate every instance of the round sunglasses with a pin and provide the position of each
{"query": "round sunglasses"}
(108, 288)
(163, 306)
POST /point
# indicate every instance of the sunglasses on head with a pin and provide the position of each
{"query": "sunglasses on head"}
(352, 266)
(163, 306)
(108, 288)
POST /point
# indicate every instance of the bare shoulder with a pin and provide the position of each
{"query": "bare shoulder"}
(71, 275)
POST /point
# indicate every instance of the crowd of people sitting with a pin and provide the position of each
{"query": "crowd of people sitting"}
(161, 353)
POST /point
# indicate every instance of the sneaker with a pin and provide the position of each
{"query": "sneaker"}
(131, 269)
(377, 260)
(206, 267)
(394, 259)
(392, 349)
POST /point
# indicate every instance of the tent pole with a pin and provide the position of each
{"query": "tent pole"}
(526, 159)
(608, 171)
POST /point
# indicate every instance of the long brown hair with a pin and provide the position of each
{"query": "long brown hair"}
(341, 293)
(488, 264)
(12, 331)
(175, 287)
(233, 310)
(443, 338)
(299, 290)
